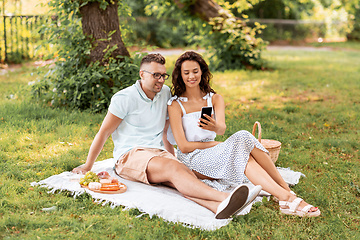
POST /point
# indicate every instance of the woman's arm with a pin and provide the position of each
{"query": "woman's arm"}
(218, 125)
(179, 134)
(110, 123)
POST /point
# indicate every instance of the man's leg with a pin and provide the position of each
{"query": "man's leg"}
(168, 170)
(154, 166)
(162, 169)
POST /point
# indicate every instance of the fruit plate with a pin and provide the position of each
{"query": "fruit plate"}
(122, 189)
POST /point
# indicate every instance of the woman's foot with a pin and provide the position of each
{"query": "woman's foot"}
(277, 199)
(297, 206)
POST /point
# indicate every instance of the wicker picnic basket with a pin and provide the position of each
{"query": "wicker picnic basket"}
(272, 146)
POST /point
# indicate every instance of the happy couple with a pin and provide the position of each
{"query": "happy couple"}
(137, 121)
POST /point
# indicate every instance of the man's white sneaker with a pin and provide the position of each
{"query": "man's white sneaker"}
(233, 202)
(253, 193)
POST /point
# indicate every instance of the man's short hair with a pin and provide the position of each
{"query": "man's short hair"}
(153, 57)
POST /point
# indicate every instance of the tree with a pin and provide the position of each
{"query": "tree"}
(99, 23)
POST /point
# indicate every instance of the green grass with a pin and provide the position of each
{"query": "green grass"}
(348, 45)
(310, 102)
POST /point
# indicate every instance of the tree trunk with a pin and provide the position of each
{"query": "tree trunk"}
(99, 23)
(205, 9)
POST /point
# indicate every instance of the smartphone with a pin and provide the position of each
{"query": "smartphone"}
(207, 111)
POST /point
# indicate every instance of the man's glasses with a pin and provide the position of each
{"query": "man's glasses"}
(158, 75)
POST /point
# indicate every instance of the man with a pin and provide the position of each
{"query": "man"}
(136, 119)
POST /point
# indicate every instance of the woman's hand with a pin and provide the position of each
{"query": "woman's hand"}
(209, 123)
(218, 125)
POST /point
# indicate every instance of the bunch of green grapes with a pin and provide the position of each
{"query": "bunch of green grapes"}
(88, 178)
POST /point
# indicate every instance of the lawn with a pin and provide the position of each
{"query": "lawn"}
(348, 45)
(310, 101)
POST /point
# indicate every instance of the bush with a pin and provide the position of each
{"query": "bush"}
(74, 82)
(86, 86)
(355, 33)
(233, 44)
(17, 57)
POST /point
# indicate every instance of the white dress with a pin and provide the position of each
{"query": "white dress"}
(226, 161)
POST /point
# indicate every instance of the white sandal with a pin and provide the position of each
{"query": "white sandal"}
(292, 209)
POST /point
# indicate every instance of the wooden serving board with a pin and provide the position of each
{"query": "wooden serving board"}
(123, 189)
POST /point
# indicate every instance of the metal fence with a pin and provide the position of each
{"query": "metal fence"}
(19, 37)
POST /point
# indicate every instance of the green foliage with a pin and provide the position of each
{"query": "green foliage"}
(232, 42)
(74, 82)
(281, 9)
(162, 27)
(233, 45)
(229, 41)
(86, 86)
(238, 7)
(163, 33)
(353, 7)
(321, 18)
(17, 56)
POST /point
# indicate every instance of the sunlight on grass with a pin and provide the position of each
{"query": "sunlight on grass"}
(302, 82)
(243, 88)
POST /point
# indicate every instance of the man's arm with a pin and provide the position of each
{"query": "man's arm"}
(108, 126)
(167, 144)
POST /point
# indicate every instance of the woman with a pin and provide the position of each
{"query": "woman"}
(240, 157)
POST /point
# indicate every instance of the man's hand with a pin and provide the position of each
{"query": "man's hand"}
(80, 170)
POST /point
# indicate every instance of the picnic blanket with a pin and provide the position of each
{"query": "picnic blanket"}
(162, 201)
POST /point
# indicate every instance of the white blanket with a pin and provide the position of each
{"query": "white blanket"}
(161, 201)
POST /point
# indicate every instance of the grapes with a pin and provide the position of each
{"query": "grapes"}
(88, 178)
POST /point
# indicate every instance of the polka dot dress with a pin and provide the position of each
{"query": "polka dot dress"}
(225, 161)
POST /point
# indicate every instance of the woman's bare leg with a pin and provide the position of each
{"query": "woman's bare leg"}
(263, 159)
(258, 176)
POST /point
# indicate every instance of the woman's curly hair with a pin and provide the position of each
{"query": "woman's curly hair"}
(178, 85)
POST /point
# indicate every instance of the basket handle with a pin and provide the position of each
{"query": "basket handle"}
(259, 130)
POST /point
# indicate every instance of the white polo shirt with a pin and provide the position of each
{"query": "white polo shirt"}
(143, 119)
